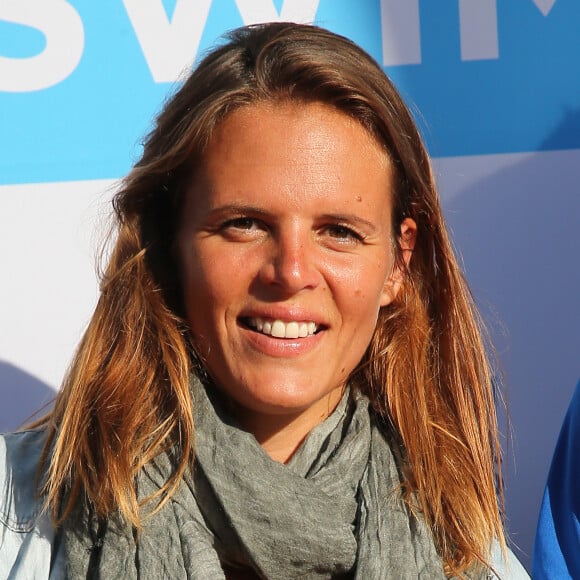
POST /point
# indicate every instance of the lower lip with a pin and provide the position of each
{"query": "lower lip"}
(282, 347)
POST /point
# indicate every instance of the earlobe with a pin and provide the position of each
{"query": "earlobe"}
(406, 240)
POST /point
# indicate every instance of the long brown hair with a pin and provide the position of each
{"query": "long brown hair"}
(126, 396)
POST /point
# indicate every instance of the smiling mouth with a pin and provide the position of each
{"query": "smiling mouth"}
(280, 329)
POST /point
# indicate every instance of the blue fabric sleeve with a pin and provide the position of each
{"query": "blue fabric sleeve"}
(557, 545)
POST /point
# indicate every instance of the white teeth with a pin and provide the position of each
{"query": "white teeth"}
(280, 329)
(292, 329)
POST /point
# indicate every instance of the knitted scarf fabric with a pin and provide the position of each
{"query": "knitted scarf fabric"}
(334, 511)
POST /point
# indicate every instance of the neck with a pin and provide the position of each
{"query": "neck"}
(281, 435)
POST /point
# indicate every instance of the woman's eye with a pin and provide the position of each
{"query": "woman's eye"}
(242, 229)
(241, 223)
(343, 234)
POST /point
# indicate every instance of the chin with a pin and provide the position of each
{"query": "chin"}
(287, 398)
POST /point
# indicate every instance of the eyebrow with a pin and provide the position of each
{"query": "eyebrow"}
(350, 218)
(238, 208)
(233, 209)
(242, 208)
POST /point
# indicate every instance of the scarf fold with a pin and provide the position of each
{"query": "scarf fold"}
(333, 511)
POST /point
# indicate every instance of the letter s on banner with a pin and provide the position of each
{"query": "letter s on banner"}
(65, 41)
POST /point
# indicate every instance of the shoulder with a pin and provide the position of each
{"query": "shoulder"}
(26, 533)
(557, 546)
(19, 457)
(508, 567)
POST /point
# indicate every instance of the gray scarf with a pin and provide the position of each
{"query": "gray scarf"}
(335, 510)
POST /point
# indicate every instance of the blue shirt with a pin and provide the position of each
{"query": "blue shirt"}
(557, 546)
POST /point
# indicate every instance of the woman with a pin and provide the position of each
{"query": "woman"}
(284, 376)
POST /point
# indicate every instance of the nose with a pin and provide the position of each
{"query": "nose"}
(291, 265)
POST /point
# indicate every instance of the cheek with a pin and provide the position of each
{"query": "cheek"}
(201, 282)
(359, 308)
(362, 283)
(213, 289)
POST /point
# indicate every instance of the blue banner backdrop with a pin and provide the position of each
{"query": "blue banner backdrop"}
(80, 81)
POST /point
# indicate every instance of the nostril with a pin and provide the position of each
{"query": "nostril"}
(293, 269)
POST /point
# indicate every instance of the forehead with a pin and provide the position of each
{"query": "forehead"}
(300, 123)
(308, 148)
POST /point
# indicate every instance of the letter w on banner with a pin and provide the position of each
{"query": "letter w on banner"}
(170, 46)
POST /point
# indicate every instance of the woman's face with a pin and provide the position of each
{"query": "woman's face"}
(287, 255)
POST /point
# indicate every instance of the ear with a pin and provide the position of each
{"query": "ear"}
(406, 240)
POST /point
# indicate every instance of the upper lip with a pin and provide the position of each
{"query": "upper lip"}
(294, 314)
